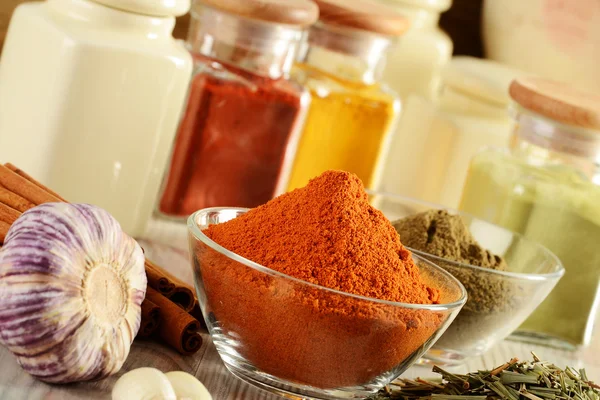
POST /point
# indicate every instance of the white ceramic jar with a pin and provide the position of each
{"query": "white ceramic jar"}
(415, 63)
(558, 39)
(90, 96)
(429, 157)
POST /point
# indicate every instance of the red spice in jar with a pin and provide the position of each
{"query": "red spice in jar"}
(328, 234)
(234, 143)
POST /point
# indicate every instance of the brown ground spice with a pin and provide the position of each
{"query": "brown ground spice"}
(445, 235)
(326, 233)
(492, 300)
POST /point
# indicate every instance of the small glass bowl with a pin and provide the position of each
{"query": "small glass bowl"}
(295, 338)
(498, 301)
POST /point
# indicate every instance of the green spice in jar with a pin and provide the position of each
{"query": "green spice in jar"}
(546, 187)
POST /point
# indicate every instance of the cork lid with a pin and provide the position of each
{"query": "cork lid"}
(289, 12)
(557, 101)
(365, 15)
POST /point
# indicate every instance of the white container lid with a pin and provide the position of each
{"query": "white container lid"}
(157, 8)
(481, 79)
(437, 5)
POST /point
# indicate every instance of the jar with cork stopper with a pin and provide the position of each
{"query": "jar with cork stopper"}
(239, 130)
(545, 185)
(352, 113)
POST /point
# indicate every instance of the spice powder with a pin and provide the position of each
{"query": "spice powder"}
(492, 299)
(348, 127)
(327, 234)
(237, 135)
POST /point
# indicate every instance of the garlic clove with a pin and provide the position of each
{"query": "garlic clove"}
(72, 284)
(187, 387)
(143, 384)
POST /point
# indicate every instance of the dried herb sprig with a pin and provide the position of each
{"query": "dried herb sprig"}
(514, 380)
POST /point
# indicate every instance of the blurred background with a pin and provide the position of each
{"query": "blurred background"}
(461, 22)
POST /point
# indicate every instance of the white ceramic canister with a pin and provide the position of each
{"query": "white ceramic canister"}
(557, 39)
(430, 154)
(415, 63)
(90, 96)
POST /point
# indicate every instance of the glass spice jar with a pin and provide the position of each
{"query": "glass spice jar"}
(546, 187)
(470, 113)
(352, 114)
(239, 130)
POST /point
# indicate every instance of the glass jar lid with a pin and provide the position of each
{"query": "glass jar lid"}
(288, 12)
(557, 101)
(363, 15)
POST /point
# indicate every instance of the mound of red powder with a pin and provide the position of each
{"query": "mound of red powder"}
(327, 233)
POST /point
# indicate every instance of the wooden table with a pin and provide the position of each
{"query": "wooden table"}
(207, 366)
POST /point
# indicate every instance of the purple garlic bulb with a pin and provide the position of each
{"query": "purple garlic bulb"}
(71, 288)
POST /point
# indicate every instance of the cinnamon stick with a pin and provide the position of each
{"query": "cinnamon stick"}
(184, 297)
(157, 280)
(150, 318)
(197, 313)
(170, 286)
(25, 188)
(14, 200)
(4, 227)
(25, 175)
(8, 214)
(177, 328)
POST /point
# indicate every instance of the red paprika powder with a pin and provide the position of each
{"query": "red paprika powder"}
(238, 134)
(328, 234)
(232, 143)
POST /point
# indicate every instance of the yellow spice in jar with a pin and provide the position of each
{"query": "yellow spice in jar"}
(347, 128)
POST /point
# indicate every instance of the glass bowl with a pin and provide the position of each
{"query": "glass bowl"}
(302, 340)
(498, 301)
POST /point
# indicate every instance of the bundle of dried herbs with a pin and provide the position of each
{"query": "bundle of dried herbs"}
(514, 380)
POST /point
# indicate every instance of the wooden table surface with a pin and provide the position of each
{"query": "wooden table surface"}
(207, 366)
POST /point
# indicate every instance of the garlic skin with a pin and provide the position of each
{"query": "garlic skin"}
(143, 384)
(72, 284)
(187, 387)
